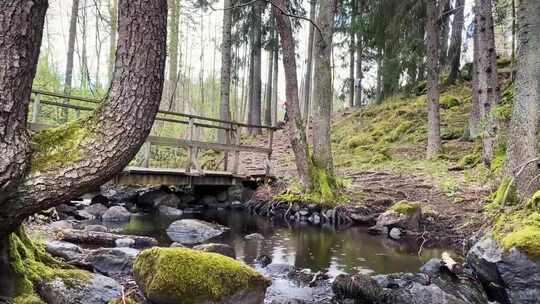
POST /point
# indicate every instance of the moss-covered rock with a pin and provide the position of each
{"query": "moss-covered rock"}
(449, 101)
(405, 207)
(182, 275)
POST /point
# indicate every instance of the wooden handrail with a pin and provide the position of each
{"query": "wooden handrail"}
(96, 101)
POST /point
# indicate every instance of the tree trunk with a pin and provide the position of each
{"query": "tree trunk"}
(21, 30)
(71, 46)
(352, 51)
(309, 62)
(432, 62)
(323, 89)
(256, 104)
(474, 120)
(359, 58)
(225, 88)
(173, 55)
(523, 134)
(454, 54)
(87, 152)
(82, 48)
(445, 6)
(113, 12)
(294, 126)
(488, 88)
(268, 108)
(275, 78)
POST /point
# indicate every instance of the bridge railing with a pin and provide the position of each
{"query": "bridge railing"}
(190, 139)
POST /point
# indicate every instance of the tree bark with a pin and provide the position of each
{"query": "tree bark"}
(432, 62)
(269, 79)
(488, 87)
(294, 126)
(71, 46)
(93, 149)
(454, 54)
(445, 6)
(523, 133)
(21, 31)
(226, 47)
(323, 88)
(173, 54)
(359, 58)
(474, 120)
(113, 28)
(352, 53)
(275, 78)
(309, 62)
(256, 104)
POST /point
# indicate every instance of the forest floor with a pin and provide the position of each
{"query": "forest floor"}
(379, 150)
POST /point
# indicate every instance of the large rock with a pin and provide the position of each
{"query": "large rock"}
(157, 197)
(110, 261)
(360, 288)
(96, 289)
(118, 194)
(97, 210)
(64, 250)
(116, 214)
(509, 276)
(222, 249)
(182, 275)
(403, 215)
(169, 211)
(189, 231)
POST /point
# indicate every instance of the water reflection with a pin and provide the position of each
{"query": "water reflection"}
(336, 251)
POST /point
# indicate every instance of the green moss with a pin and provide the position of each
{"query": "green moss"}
(405, 207)
(31, 264)
(59, 146)
(534, 201)
(449, 101)
(505, 191)
(127, 300)
(469, 160)
(504, 62)
(526, 239)
(188, 276)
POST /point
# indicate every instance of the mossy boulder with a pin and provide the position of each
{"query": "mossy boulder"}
(449, 101)
(403, 214)
(187, 276)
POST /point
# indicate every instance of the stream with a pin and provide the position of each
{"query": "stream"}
(309, 248)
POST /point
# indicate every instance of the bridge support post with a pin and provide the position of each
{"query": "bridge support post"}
(269, 155)
(146, 155)
(236, 131)
(190, 147)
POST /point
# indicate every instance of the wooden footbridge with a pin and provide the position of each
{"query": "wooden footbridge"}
(177, 147)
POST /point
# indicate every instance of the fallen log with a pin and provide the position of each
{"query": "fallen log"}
(102, 238)
(448, 262)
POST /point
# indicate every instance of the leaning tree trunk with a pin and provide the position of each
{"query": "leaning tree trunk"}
(488, 87)
(80, 156)
(454, 54)
(294, 126)
(21, 29)
(226, 58)
(523, 149)
(432, 49)
(323, 166)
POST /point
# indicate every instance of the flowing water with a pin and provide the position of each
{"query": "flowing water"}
(328, 249)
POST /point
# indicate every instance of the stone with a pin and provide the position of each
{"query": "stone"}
(315, 218)
(147, 200)
(254, 237)
(176, 244)
(169, 211)
(119, 194)
(303, 212)
(395, 233)
(236, 205)
(97, 228)
(263, 260)
(116, 214)
(167, 199)
(235, 192)
(112, 261)
(226, 281)
(362, 219)
(222, 249)
(64, 250)
(510, 276)
(66, 209)
(209, 200)
(125, 242)
(97, 210)
(98, 289)
(361, 288)
(190, 231)
(403, 215)
(280, 269)
(60, 225)
(83, 215)
(99, 199)
(222, 196)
